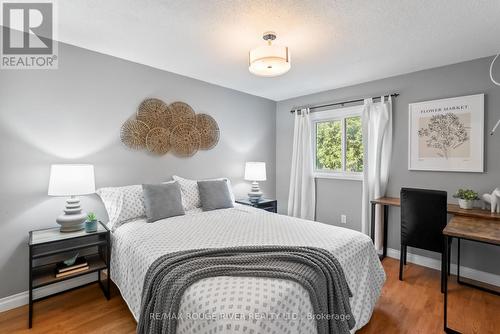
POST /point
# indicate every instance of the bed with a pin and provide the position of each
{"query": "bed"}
(136, 244)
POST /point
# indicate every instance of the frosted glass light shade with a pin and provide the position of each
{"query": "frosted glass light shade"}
(71, 180)
(269, 60)
(255, 171)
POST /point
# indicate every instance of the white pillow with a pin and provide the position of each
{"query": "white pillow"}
(122, 204)
(191, 195)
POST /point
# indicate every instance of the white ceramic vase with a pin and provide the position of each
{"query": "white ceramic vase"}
(465, 203)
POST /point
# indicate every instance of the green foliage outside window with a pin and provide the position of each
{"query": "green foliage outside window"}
(354, 144)
(329, 145)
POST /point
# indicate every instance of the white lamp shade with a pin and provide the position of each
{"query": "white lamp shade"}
(70, 180)
(255, 171)
(269, 60)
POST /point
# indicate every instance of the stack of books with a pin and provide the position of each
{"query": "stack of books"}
(65, 270)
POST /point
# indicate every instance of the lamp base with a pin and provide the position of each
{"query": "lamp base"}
(73, 218)
(255, 194)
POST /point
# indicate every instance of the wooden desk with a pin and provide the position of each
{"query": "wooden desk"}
(453, 209)
(484, 230)
(475, 229)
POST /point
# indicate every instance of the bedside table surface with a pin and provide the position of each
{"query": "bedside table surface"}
(248, 202)
(54, 234)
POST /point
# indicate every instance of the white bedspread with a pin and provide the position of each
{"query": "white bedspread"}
(270, 305)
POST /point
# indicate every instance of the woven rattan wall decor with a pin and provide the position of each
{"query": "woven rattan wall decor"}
(161, 128)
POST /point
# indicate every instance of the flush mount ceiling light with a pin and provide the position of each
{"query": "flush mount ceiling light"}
(269, 60)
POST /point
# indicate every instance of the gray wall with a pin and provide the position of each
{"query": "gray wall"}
(74, 114)
(335, 197)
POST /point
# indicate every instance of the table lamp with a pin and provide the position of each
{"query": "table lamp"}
(255, 171)
(72, 181)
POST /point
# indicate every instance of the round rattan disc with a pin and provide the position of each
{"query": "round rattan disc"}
(209, 131)
(182, 113)
(155, 113)
(185, 140)
(158, 141)
(133, 134)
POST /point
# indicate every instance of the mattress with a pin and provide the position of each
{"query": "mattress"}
(244, 304)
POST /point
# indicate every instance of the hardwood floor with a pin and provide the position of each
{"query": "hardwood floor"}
(412, 306)
(83, 310)
(416, 304)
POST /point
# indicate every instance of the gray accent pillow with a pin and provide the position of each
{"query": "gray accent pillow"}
(162, 201)
(214, 194)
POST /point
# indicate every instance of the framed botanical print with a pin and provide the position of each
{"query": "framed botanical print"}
(447, 135)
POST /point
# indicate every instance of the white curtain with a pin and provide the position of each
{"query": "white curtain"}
(301, 197)
(377, 142)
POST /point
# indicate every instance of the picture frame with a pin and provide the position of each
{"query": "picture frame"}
(447, 134)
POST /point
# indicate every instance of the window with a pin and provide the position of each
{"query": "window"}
(338, 143)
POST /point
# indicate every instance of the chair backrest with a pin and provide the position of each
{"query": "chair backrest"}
(423, 218)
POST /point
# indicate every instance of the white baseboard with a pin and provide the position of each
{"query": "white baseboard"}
(10, 302)
(22, 298)
(428, 262)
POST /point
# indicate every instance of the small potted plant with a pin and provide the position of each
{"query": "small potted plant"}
(91, 223)
(466, 198)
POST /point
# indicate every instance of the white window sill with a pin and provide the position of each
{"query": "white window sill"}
(340, 176)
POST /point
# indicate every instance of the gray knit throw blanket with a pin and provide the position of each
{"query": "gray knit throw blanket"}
(317, 270)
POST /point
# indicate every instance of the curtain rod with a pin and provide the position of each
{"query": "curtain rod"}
(341, 103)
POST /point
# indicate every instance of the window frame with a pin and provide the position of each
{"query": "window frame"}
(339, 114)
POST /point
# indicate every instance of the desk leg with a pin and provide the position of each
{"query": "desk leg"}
(445, 282)
(458, 260)
(449, 254)
(447, 241)
(386, 220)
(372, 223)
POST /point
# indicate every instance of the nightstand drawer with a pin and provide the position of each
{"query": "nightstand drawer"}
(268, 208)
(270, 205)
(57, 247)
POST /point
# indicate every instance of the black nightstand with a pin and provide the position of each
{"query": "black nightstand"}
(49, 246)
(270, 205)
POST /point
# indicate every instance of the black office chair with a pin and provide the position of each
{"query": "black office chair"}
(423, 218)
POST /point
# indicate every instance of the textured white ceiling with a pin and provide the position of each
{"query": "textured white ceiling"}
(333, 43)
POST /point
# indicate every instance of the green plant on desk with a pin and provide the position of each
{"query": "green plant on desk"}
(466, 198)
(466, 194)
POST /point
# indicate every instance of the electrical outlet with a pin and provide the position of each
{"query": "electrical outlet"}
(343, 219)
